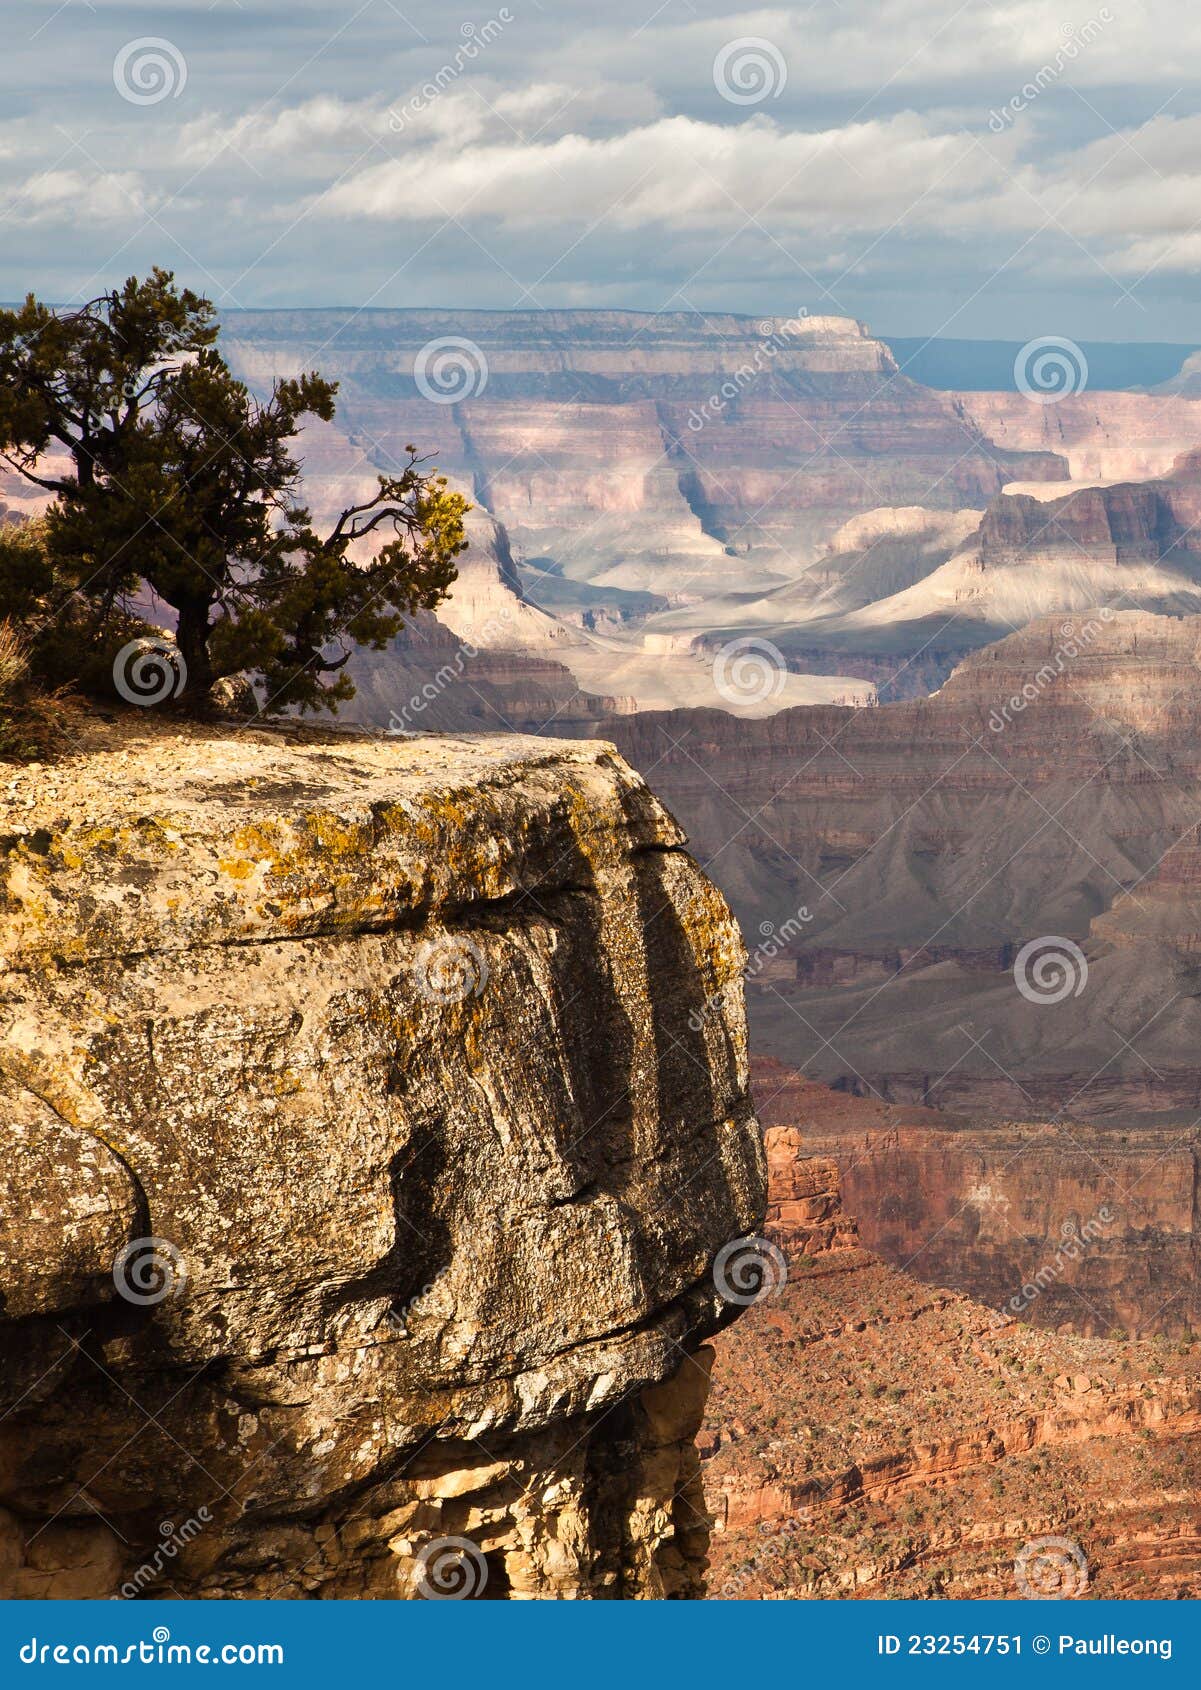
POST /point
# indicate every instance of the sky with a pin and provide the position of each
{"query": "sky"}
(931, 168)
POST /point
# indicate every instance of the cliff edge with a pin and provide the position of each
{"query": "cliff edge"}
(368, 1163)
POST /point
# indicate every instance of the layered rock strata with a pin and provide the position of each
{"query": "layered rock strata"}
(366, 1170)
(895, 864)
(1113, 436)
(1080, 1229)
(647, 451)
(871, 1436)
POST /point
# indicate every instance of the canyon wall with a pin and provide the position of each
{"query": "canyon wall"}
(1112, 436)
(1081, 1229)
(895, 862)
(870, 1436)
(902, 596)
(672, 452)
(370, 1169)
(891, 867)
(666, 483)
(1089, 1231)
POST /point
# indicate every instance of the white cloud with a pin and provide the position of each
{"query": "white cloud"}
(309, 134)
(68, 197)
(678, 173)
(592, 147)
(910, 44)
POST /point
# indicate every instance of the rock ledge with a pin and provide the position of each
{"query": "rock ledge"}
(388, 1051)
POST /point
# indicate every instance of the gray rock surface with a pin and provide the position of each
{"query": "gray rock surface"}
(386, 1051)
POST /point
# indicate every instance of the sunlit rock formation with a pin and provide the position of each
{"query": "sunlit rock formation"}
(366, 1169)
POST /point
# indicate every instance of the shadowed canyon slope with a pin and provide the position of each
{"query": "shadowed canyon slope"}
(371, 1171)
(910, 852)
(988, 901)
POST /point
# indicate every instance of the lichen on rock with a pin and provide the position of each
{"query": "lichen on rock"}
(371, 1146)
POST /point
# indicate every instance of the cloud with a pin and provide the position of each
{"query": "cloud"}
(588, 156)
(71, 197)
(677, 173)
(310, 134)
(903, 45)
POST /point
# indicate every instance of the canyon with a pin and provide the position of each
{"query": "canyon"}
(873, 1436)
(370, 1172)
(653, 491)
(905, 876)
(1078, 1229)
(651, 488)
(901, 596)
(910, 853)
(634, 450)
(630, 469)
(460, 1025)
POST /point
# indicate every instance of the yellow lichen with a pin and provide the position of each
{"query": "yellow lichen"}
(237, 867)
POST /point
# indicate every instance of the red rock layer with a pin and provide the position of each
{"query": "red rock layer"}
(1074, 1228)
(868, 1436)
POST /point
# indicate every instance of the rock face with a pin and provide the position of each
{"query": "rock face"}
(1132, 546)
(1112, 436)
(903, 596)
(430, 681)
(870, 1436)
(701, 479)
(635, 448)
(367, 1170)
(1085, 1230)
(622, 464)
(899, 859)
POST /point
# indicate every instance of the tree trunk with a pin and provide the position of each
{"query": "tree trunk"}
(192, 638)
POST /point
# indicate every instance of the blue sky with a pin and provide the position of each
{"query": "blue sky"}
(967, 170)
